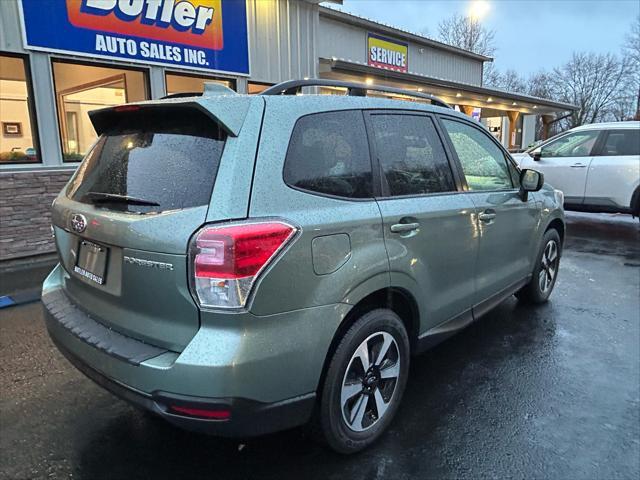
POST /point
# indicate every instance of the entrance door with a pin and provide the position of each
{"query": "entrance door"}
(429, 230)
(505, 223)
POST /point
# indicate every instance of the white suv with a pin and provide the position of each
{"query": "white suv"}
(597, 166)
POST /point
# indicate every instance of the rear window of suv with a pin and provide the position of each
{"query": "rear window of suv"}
(329, 154)
(622, 142)
(152, 160)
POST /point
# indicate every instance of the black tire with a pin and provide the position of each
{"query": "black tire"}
(331, 420)
(635, 203)
(533, 292)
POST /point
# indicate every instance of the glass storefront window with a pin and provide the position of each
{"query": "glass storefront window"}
(18, 142)
(187, 83)
(80, 88)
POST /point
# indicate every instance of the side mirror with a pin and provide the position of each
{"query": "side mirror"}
(530, 181)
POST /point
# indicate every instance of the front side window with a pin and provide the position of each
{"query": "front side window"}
(17, 138)
(411, 155)
(483, 162)
(515, 174)
(81, 88)
(577, 144)
(622, 142)
(328, 153)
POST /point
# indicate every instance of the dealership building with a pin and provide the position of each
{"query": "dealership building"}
(61, 59)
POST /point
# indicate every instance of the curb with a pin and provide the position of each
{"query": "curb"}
(21, 279)
(20, 298)
(28, 263)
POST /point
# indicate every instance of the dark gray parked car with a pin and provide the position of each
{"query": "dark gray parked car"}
(244, 264)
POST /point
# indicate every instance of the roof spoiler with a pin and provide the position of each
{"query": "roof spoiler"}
(229, 114)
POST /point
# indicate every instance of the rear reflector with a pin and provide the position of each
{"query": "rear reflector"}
(126, 108)
(228, 259)
(201, 413)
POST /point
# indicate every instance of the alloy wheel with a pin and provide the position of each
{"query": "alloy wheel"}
(549, 268)
(369, 382)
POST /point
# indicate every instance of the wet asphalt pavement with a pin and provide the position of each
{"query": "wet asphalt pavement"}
(547, 392)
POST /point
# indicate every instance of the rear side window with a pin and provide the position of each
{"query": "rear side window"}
(483, 162)
(152, 160)
(329, 154)
(622, 142)
(411, 155)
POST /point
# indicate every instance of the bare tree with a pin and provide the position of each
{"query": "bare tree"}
(623, 107)
(603, 86)
(490, 74)
(631, 50)
(510, 81)
(632, 43)
(592, 82)
(539, 85)
(468, 33)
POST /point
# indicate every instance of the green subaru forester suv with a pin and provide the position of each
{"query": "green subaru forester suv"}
(244, 264)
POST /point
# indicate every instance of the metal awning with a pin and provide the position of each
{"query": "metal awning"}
(454, 93)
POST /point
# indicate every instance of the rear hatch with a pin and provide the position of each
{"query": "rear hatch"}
(124, 222)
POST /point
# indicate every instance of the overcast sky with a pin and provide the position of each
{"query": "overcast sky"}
(529, 34)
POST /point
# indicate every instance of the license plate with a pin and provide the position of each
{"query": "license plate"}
(92, 261)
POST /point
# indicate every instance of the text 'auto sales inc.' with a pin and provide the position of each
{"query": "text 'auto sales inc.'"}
(61, 59)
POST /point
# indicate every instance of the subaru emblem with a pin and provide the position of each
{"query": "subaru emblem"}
(78, 222)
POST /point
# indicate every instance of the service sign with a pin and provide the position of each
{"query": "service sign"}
(386, 53)
(198, 34)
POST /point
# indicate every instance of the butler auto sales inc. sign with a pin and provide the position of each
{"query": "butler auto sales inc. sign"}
(198, 34)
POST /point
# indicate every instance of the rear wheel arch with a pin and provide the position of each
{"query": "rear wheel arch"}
(397, 300)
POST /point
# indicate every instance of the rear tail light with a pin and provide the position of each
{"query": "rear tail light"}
(220, 414)
(228, 259)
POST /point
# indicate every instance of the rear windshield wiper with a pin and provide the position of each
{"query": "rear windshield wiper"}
(102, 197)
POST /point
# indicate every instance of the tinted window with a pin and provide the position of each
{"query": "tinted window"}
(411, 155)
(483, 162)
(166, 156)
(329, 153)
(622, 142)
(577, 144)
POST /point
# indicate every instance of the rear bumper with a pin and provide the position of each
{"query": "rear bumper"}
(247, 418)
(264, 371)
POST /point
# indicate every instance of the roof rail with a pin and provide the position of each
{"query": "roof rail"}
(354, 89)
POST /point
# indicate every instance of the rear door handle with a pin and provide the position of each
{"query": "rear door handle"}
(404, 227)
(487, 216)
(578, 165)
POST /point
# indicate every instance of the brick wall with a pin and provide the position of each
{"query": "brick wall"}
(25, 217)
